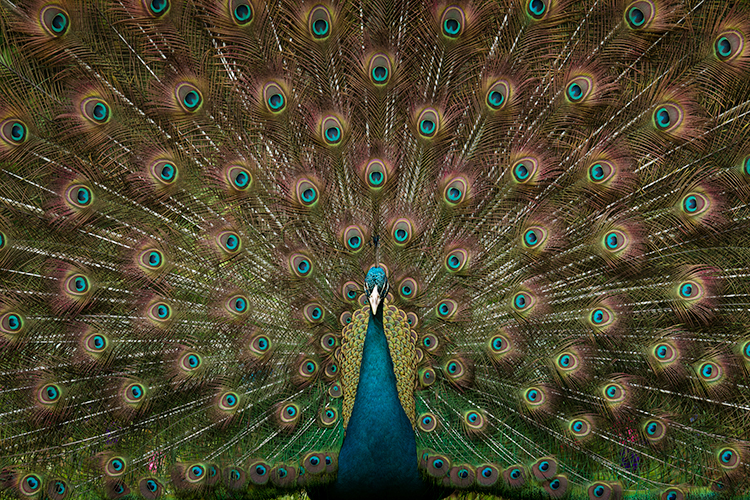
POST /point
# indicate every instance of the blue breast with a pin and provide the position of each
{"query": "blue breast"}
(378, 458)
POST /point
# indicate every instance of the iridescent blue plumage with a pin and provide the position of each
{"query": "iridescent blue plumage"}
(378, 458)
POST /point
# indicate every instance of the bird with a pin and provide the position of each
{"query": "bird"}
(339, 249)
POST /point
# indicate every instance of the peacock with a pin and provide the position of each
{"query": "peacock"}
(359, 249)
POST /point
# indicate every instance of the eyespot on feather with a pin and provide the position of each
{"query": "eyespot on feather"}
(580, 427)
(58, 489)
(457, 260)
(313, 313)
(614, 393)
(694, 204)
(13, 132)
(446, 309)
(638, 15)
(190, 362)
(379, 69)
(115, 467)
(332, 130)
(328, 417)
(456, 191)
(376, 175)
(601, 171)
(402, 232)
(462, 476)
(426, 377)
(241, 12)
(544, 468)
(189, 97)
(307, 192)
(728, 458)
(54, 20)
(353, 238)
(438, 465)
(498, 95)
(514, 476)
(412, 319)
(452, 22)
(49, 394)
(134, 393)
(654, 430)
(427, 422)
(534, 397)
(228, 402)
(537, 9)
(300, 265)
(487, 475)
(672, 494)
(319, 22)
(288, 415)
(164, 172)
(238, 178)
(428, 123)
(96, 110)
(524, 170)
(274, 97)
(150, 488)
(534, 237)
(667, 117)
(30, 485)
(578, 89)
(11, 323)
(79, 196)
(77, 285)
(151, 259)
(729, 45)
(601, 317)
(156, 8)
(474, 422)
(160, 312)
(229, 242)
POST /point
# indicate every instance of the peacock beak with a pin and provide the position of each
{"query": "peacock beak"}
(374, 299)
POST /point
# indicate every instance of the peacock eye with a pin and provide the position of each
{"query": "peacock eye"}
(332, 130)
(157, 8)
(189, 97)
(639, 14)
(380, 69)
(241, 12)
(427, 123)
(30, 484)
(524, 170)
(729, 45)
(13, 131)
(694, 204)
(229, 242)
(229, 401)
(497, 95)
(320, 22)
(615, 241)
(522, 302)
(95, 110)
(55, 20)
(452, 22)
(402, 231)
(580, 428)
(579, 89)
(668, 117)
(536, 8)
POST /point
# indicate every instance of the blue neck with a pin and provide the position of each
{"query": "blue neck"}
(379, 456)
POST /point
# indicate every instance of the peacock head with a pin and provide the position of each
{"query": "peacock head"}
(376, 287)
